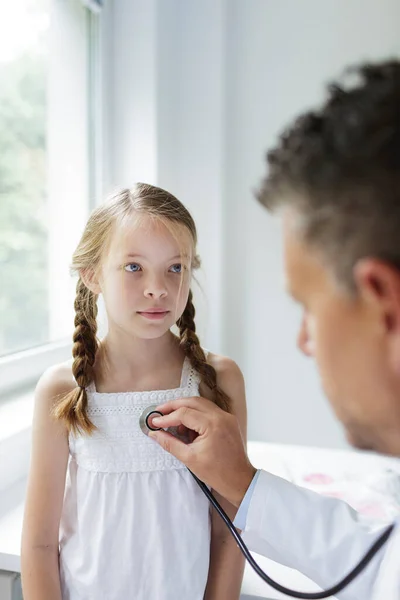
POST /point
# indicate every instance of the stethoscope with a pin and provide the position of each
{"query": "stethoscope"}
(151, 411)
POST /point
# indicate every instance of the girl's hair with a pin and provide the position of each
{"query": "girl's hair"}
(144, 199)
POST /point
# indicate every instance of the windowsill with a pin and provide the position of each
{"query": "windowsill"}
(11, 516)
(15, 438)
(16, 413)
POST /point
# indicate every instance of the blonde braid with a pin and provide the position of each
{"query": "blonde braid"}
(190, 344)
(73, 407)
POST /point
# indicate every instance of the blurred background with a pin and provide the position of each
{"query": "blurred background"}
(187, 95)
(183, 94)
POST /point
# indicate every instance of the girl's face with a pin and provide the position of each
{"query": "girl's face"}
(145, 277)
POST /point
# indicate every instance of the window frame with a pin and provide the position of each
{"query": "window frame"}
(23, 368)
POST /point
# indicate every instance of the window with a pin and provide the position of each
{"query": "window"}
(48, 64)
(23, 236)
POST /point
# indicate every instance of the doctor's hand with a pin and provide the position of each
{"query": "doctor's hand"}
(217, 454)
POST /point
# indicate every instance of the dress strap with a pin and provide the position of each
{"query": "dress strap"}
(190, 377)
(186, 370)
(91, 388)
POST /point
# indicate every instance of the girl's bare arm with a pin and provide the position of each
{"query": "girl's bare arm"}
(45, 493)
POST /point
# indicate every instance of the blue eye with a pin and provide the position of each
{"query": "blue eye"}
(177, 268)
(132, 268)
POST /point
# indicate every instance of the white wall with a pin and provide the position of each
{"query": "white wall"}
(199, 90)
(279, 56)
(165, 119)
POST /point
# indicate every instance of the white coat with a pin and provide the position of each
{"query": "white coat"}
(321, 537)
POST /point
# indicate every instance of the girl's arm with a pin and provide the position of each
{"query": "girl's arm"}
(226, 561)
(45, 493)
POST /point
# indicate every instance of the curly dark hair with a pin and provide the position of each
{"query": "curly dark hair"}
(339, 168)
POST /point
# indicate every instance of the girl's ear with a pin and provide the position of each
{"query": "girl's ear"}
(91, 280)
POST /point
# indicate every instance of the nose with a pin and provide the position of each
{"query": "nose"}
(304, 342)
(155, 288)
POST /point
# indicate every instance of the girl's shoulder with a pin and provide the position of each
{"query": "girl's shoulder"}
(57, 380)
(230, 380)
(55, 383)
(228, 371)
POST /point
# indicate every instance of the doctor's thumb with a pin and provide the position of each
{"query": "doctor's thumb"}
(170, 444)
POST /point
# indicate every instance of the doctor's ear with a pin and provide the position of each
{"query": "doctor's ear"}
(91, 280)
(378, 284)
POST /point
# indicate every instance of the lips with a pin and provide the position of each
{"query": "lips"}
(154, 313)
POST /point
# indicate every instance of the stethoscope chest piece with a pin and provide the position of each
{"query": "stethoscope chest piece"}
(145, 419)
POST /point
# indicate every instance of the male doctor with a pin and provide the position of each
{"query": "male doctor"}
(335, 178)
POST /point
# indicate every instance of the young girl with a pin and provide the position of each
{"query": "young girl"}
(110, 515)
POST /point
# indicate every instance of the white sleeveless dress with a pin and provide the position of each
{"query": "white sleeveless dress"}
(135, 525)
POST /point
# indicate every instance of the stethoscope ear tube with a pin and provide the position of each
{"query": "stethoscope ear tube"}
(145, 426)
(276, 586)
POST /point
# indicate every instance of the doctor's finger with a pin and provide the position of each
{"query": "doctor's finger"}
(171, 444)
(189, 417)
